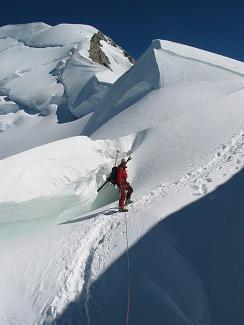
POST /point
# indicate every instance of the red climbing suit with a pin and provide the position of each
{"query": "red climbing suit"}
(123, 185)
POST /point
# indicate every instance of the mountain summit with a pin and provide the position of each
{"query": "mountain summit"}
(49, 55)
(60, 73)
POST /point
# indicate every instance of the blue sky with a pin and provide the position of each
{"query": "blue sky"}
(217, 26)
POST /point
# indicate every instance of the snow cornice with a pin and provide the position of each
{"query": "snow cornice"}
(195, 54)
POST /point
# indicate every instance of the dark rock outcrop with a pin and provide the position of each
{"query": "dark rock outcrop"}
(95, 51)
(130, 58)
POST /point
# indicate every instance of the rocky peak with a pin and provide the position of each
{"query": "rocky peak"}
(97, 54)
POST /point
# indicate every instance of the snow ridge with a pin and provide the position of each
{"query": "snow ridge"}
(49, 47)
(145, 96)
(178, 111)
(227, 156)
(188, 52)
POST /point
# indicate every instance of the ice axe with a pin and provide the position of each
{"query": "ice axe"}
(109, 178)
(103, 185)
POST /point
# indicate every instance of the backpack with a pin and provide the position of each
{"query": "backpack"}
(113, 176)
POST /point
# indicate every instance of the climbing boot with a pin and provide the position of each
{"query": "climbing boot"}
(123, 210)
(129, 201)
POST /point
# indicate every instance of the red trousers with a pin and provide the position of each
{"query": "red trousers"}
(125, 193)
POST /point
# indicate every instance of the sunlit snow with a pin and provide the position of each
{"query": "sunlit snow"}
(178, 111)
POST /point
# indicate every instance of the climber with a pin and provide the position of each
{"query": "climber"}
(124, 187)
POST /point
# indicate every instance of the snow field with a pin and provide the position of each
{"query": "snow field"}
(47, 71)
(100, 238)
(146, 95)
(178, 112)
(44, 49)
(74, 165)
(110, 242)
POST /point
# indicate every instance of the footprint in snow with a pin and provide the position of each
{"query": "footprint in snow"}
(199, 191)
(209, 180)
(204, 189)
(101, 240)
(194, 187)
(197, 194)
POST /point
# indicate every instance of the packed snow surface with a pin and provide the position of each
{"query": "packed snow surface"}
(179, 112)
(48, 71)
(162, 85)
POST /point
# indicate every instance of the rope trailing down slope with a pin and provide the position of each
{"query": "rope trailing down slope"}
(128, 272)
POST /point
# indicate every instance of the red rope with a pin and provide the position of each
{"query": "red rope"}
(128, 270)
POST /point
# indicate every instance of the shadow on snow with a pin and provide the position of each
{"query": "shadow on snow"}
(188, 269)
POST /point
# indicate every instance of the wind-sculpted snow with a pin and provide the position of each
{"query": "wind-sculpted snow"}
(22, 32)
(197, 55)
(179, 112)
(84, 94)
(28, 51)
(48, 71)
(64, 34)
(162, 85)
(25, 75)
(166, 150)
(7, 106)
(78, 254)
(74, 166)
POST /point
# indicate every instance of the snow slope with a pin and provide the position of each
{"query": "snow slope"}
(178, 111)
(47, 70)
(32, 51)
(34, 130)
(7, 106)
(162, 85)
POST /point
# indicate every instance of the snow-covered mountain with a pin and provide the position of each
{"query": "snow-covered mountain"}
(169, 80)
(61, 72)
(179, 112)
